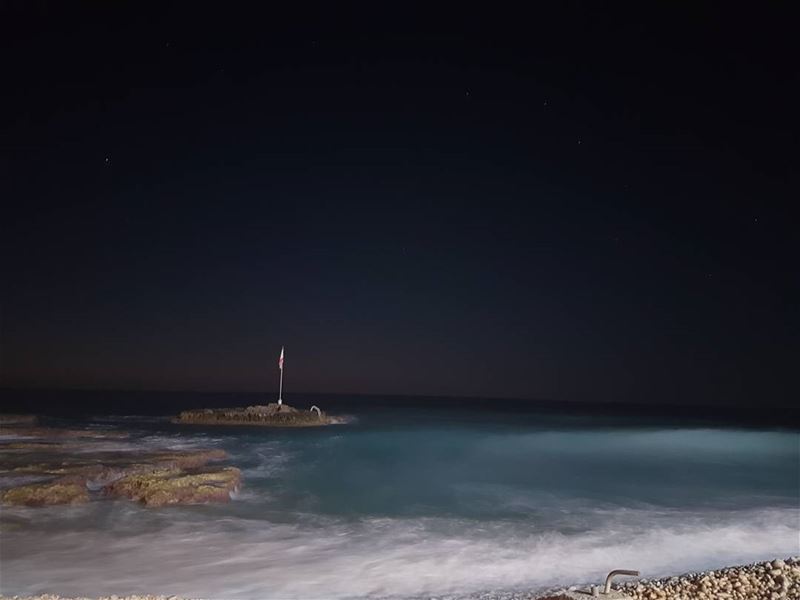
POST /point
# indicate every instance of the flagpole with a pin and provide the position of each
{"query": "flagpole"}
(280, 388)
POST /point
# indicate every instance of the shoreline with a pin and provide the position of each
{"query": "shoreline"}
(778, 579)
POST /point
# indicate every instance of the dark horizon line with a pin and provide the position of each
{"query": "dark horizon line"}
(697, 404)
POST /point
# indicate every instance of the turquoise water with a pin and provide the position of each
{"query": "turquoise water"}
(414, 503)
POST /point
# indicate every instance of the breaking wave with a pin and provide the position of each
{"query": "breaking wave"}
(313, 557)
(381, 509)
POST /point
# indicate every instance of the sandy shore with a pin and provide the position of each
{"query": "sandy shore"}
(774, 580)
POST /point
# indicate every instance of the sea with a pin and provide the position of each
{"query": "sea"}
(419, 498)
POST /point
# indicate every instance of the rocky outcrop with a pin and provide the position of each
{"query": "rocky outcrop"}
(99, 469)
(45, 494)
(270, 415)
(188, 459)
(55, 433)
(9, 419)
(172, 486)
(54, 466)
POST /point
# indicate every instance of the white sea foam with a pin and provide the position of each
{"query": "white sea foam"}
(138, 444)
(187, 553)
(271, 459)
(411, 512)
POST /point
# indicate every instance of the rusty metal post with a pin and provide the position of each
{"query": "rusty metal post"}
(616, 572)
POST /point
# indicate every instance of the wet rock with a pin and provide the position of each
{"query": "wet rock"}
(35, 445)
(10, 419)
(172, 486)
(52, 466)
(187, 459)
(268, 409)
(106, 467)
(48, 433)
(270, 415)
(45, 494)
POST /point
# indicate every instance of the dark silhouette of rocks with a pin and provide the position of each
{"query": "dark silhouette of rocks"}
(270, 415)
(54, 433)
(9, 419)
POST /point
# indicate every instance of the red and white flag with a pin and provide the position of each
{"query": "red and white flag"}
(280, 360)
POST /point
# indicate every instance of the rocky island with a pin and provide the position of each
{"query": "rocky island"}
(269, 415)
(44, 466)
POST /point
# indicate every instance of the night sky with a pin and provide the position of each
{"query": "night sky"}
(577, 203)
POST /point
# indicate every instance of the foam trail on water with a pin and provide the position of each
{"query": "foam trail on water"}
(331, 558)
(419, 508)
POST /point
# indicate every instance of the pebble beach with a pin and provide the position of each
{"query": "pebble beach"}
(772, 580)
(775, 580)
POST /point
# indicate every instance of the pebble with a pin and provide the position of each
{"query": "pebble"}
(112, 597)
(775, 580)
